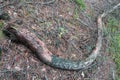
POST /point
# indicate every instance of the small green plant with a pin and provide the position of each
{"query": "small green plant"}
(61, 31)
(80, 3)
(80, 6)
(76, 15)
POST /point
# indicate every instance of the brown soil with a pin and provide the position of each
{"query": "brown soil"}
(67, 33)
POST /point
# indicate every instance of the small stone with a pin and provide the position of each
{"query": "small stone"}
(18, 68)
(82, 74)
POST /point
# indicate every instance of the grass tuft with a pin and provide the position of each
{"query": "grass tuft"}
(113, 34)
(80, 3)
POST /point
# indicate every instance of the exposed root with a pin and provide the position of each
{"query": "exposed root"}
(39, 48)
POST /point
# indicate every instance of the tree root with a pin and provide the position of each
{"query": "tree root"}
(39, 48)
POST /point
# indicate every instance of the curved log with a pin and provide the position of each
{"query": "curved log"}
(39, 48)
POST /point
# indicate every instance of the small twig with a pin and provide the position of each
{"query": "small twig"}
(76, 48)
(82, 22)
(111, 10)
(42, 3)
(45, 78)
(72, 45)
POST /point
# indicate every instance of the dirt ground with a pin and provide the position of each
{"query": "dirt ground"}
(67, 31)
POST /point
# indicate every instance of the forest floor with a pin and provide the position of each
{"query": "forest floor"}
(68, 30)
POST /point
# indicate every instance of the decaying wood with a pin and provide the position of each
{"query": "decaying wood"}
(30, 40)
